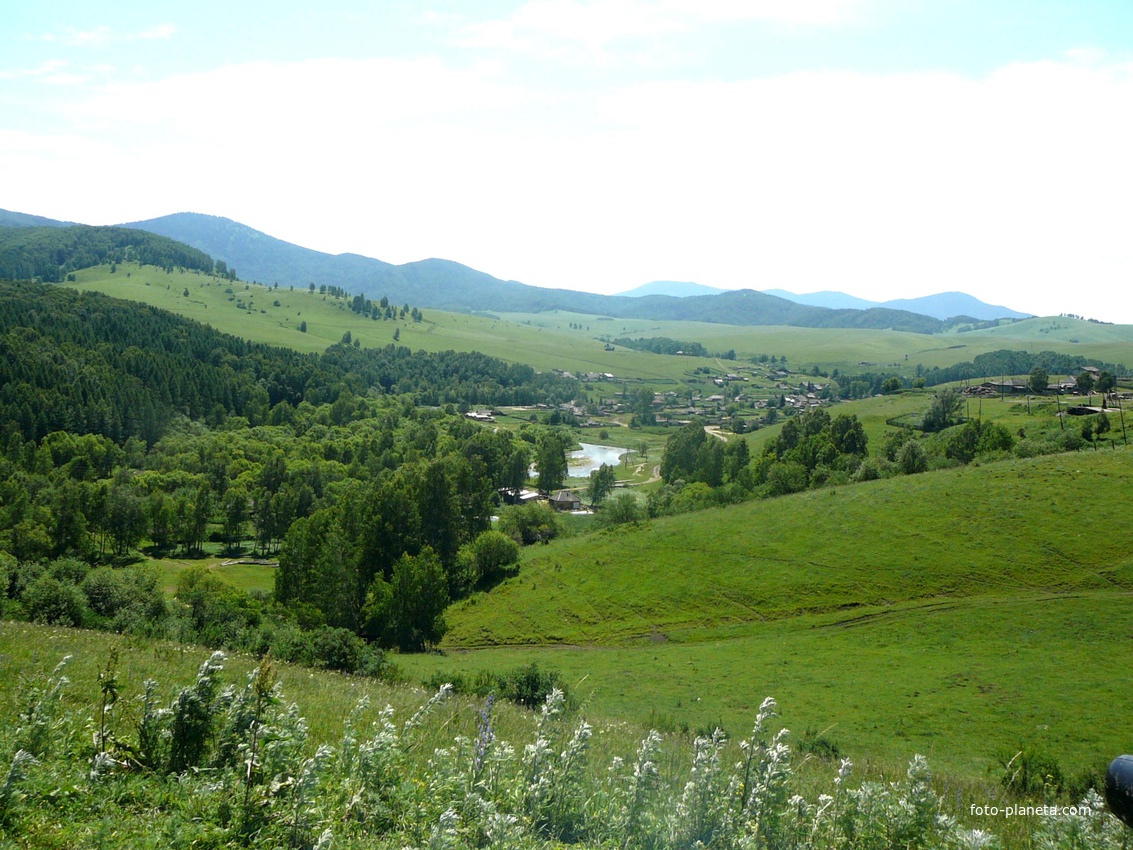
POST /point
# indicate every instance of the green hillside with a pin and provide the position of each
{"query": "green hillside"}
(249, 310)
(1021, 525)
(572, 341)
(962, 612)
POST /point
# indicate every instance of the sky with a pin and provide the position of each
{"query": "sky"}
(883, 148)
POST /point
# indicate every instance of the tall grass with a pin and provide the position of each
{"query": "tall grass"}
(241, 770)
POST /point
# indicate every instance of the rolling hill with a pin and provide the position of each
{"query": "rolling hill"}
(942, 305)
(963, 612)
(447, 285)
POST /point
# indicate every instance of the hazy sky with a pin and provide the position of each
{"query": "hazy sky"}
(885, 148)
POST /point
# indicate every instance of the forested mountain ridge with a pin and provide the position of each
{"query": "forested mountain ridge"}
(8, 218)
(50, 253)
(447, 285)
(87, 363)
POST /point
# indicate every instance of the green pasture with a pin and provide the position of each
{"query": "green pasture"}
(571, 341)
(210, 301)
(856, 350)
(1056, 523)
(959, 680)
(958, 614)
(242, 576)
(1106, 342)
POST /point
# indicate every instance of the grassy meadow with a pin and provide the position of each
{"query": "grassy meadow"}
(959, 614)
(962, 614)
(214, 301)
(570, 341)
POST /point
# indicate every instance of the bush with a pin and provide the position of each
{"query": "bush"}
(528, 686)
(495, 552)
(48, 600)
(529, 524)
(786, 477)
(623, 508)
(105, 591)
(1030, 772)
(912, 458)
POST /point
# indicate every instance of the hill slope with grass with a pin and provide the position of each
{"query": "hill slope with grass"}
(1052, 524)
(972, 614)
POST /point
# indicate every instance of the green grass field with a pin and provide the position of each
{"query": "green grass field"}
(570, 341)
(214, 301)
(958, 613)
(246, 577)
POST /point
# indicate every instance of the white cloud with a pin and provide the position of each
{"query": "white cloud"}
(44, 69)
(104, 36)
(161, 31)
(588, 29)
(1014, 187)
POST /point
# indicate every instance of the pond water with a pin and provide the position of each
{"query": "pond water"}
(581, 463)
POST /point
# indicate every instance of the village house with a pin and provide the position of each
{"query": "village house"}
(564, 500)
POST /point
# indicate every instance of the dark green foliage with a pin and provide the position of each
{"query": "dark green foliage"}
(682, 452)
(812, 449)
(529, 685)
(622, 508)
(664, 345)
(411, 611)
(328, 648)
(88, 364)
(602, 482)
(51, 253)
(57, 603)
(193, 717)
(1007, 362)
(943, 412)
(126, 597)
(786, 477)
(550, 459)
(494, 553)
(977, 438)
(527, 524)
(641, 402)
(1038, 380)
(912, 458)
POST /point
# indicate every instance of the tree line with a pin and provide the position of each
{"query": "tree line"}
(85, 363)
(378, 522)
(994, 364)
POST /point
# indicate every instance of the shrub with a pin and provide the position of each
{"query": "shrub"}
(48, 600)
(786, 477)
(105, 591)
(529, 524)
(495, 552)
(912, 458)
(623, 508)
(528, 686)
(1030, 772)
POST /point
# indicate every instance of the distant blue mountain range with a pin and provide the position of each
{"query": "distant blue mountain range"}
(446, 285)
(943, 305)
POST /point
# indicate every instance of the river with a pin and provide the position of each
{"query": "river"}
(581, 463)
